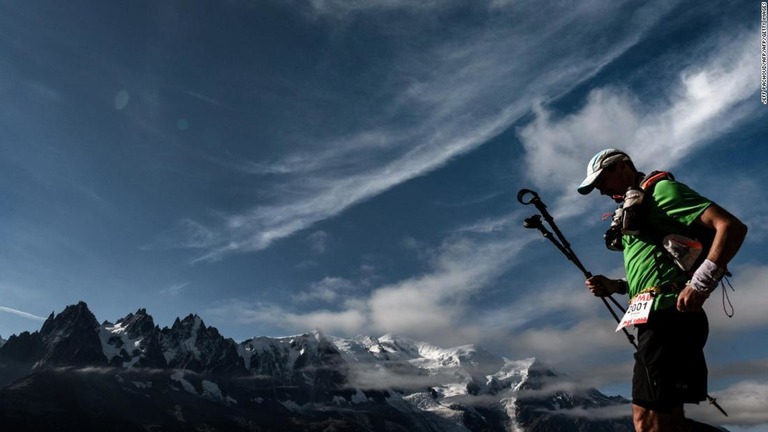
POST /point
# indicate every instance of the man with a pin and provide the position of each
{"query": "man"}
(670, 368)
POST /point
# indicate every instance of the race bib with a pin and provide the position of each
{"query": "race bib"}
(638, 310)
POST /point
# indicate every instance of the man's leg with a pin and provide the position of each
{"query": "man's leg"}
(647, 420)
(669, 357)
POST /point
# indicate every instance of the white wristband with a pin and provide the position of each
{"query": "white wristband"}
(706, 277)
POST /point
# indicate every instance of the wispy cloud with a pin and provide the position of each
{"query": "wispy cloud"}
(704, 103)
(347, 321)
(340, 9)
(318, 241)
(447, 99)
(604, 413)
(394, 375)
(21, 313)
(488, 225)
(329, 289)
(175, 289)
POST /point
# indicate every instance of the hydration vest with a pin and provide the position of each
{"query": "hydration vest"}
(687, 246)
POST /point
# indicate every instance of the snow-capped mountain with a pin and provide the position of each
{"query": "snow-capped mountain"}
(132, 341)
(134, 375)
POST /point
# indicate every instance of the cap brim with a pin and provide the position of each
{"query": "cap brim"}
(587, 185)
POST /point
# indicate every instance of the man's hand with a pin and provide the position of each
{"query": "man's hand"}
(601, 286)
(690, 300)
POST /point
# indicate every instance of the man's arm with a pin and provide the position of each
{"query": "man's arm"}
(729, 236)
(602, 286)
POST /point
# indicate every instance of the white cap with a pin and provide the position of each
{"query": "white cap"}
(600, 161)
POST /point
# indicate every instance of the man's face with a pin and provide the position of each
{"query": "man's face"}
(610, 183)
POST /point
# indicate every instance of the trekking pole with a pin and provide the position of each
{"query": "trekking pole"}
(562, 244)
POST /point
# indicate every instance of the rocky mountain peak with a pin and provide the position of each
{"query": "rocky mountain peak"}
(74, 318)
(71, 338)
(189, 322)
(133, 340)
(138, 324)
(189, 344)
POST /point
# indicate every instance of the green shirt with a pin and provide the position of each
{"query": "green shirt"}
(672, 208)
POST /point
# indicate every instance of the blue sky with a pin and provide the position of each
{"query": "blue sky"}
(279, 166)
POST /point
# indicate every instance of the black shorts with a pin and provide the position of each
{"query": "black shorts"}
(670, 369)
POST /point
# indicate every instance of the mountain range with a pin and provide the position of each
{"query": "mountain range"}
(131, 375)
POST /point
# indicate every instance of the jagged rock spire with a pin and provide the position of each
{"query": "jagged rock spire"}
(71, 339)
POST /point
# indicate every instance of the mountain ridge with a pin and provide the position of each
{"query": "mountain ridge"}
(189, 375)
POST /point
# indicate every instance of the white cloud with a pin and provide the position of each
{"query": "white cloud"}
(604, 413)
(319, 241)
(489, 225)
(348, 321)
(175, 289)
(434, 304)
(431, 306)
(329, 289)
(186, 234)
(402, 376)
(704, 104)
(341, 8)
(326, 196)
(445, 100)
(585, 338)
(564, 296)
(21, 313)
(558, 149)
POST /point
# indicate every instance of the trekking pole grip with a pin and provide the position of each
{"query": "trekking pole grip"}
(523, 192)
